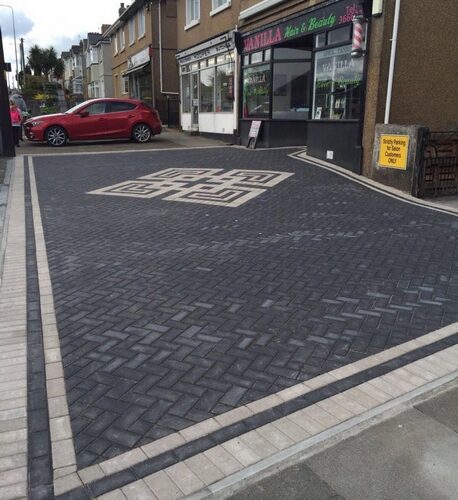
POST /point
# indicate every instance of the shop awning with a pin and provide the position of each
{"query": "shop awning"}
(135, 68)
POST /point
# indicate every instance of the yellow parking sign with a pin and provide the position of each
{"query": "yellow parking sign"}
(393, 151)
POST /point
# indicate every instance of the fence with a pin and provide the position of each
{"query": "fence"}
(439, 165)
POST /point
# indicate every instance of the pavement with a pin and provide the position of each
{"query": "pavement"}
(412, 455)
(175, 321)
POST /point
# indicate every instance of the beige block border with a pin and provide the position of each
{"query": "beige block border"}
(214, 472)
(375, 186)
(13, 345)
(63, 450)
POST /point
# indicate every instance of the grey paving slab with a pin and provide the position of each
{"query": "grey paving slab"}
(171, 313)
(443, 408)
(295, 483)
(410, 457)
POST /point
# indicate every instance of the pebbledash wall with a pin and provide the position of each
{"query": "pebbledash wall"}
(288, 63)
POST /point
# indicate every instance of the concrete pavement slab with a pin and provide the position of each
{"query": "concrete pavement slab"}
(443, 408)
(295, 483)
(411, 457)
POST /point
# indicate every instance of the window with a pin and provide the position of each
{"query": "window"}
(141, 23)
(117, 106)
(337, 87)
(256, 92)
(339, 35)
(192, 11)
(283, 53)
(125, 85)
(97, 108)
(115, 43)
(207, 88)
(186, 93)
(291, 90)
(131, 30)
(224, 99)
(122, 35)
(220, 5)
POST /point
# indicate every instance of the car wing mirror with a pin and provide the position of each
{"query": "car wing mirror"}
(83, 114)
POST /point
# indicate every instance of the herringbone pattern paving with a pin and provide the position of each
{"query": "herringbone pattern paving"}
(170, 313)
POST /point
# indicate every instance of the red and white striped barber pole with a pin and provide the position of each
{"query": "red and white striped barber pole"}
(357, 41)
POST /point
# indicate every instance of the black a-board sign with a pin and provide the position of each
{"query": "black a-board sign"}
(254, 134)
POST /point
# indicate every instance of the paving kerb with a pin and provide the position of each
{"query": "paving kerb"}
(13, 396)
(345, 367)
(264, 460)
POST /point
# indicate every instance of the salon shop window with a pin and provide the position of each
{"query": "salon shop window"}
(276, 83)
(338, 85)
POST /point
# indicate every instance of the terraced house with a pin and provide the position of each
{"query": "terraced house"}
(143, 45)
(320, 73)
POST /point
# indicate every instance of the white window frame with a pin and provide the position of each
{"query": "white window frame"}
(190, 22)
(131, 28)
(115, 43)
(141, 23)
(218, 8)
(122, 36)
(124, 85)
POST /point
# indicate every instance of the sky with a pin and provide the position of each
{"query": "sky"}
(55, 23)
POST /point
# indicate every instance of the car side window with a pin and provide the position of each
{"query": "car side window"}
(117, 106)
(97, 108)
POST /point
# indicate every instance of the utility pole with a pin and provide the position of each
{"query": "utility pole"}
(21, 49)
(6, 132)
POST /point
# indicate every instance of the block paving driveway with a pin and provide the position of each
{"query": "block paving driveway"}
(170, 312)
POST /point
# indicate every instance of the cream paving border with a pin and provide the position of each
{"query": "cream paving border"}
(137, 455)
(13, 347)
(221, 467)
(66, 477)
(62, 445)
(90, 153)
(371, 184)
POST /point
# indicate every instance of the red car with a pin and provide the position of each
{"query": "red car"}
(96, 119)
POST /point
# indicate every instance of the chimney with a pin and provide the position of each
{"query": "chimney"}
(121, 9)
(104, 28)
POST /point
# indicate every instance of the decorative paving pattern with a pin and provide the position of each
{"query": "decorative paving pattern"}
(169, 315)
(199, 185)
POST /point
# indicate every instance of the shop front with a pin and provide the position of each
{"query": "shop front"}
(208, 94)
(300, 78)
(137, 77)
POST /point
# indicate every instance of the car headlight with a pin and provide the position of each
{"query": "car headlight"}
(35, 123)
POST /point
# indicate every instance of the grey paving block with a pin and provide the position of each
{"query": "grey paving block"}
(315, 273)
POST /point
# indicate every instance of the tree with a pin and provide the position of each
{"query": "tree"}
(49, 60)
(59, 69)
(44, 62)
(35, 59)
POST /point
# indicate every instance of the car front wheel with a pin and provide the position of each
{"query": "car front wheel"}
(141, 133)
(56, 136)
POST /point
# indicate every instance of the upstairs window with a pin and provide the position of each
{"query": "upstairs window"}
(115, 43)
(220, 4)
(192, 11)
(131, 30)
(122, 35)
(141, 23)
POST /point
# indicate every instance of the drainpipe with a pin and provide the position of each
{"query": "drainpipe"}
(160, 55)
(394, 43)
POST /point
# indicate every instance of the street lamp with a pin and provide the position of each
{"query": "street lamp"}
(14, 35)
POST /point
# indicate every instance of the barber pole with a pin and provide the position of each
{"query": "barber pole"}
(357, 42)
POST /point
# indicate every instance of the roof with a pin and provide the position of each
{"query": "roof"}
(93, 38)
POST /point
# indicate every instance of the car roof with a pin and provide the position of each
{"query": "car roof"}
(112, 99)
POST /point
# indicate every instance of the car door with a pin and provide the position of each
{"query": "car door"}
(90, 122)
(121, 115)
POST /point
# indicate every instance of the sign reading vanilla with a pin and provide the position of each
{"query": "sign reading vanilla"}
(314, 20)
